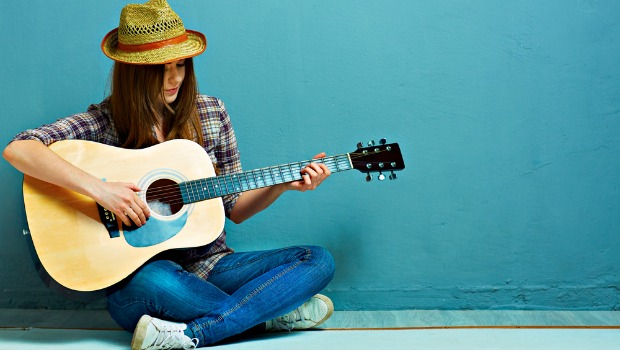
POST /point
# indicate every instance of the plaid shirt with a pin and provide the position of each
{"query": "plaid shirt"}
(219, 143)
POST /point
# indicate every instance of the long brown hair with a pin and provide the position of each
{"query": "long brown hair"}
(137, 104)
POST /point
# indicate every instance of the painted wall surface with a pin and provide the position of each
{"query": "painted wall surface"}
(508, 114)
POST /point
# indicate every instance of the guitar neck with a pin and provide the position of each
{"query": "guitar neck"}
(219, 186)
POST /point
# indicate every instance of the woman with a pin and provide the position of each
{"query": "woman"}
(181, 299)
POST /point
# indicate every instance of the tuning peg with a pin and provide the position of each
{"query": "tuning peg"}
(371, 143)
(392, 176)
(368, 177)
(382, 142)
(360, 145)
(381, 177)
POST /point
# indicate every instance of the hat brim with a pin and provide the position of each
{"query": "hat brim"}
(195, 44)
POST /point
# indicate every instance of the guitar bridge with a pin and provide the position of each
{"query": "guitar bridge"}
(108, 219)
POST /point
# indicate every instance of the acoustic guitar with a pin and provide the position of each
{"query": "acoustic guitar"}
(84, 247)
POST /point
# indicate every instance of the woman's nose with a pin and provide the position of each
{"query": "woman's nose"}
(173, 72)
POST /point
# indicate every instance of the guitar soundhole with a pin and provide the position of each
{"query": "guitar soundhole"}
(164, 197)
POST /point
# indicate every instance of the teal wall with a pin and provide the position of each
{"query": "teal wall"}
(508, 114)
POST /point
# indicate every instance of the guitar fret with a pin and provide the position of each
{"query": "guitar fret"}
(243, 181)
(328, 161)
(201, 189)
(298, 170)
(225, 187)
(240, 187)
(230, 185)
(290, 171)
(338, 165)
(253, 184)
(258, 178)
(218, 190)
(192, 192)
(208, 188)
(188, 192)
(209, 183)
(221, 186)
(231, 182)
(290, 177)
(278, 174)
(274, 176)
(233, 185)
(266, 176)
(183, 189)
(248, 182)
(226, 182)
(204, 185)
(197, 190)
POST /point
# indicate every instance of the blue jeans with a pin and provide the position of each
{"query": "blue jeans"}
(244, 290)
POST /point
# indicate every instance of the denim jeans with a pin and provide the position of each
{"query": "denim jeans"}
(244, 290)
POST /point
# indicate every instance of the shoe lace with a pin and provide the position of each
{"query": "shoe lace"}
(288, 321)
(171, 338)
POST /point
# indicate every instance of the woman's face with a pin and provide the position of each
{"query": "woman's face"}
(174, 74)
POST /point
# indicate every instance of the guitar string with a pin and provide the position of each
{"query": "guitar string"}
(174, 187)
(171, 194)
(331, 161)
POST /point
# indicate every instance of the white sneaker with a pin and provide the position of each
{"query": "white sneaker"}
(310, 314)
(154, 334)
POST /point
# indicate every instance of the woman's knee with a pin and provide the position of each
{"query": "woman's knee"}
(323, 261)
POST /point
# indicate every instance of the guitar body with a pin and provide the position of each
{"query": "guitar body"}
(69, 231)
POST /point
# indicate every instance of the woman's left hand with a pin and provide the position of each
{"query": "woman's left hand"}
(253, 201)
(312, 175)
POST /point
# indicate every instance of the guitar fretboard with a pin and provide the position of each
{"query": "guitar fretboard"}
(219, 186)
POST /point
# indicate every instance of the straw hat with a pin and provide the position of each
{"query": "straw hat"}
(151, 33)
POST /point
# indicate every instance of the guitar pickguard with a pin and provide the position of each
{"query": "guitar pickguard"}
(155, 231)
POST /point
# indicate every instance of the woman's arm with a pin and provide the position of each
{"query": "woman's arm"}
(34, 159)
(254, 201)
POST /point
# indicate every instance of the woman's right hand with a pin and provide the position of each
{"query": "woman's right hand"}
(121, 199)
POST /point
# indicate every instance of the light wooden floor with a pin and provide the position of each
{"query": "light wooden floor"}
(416, 329)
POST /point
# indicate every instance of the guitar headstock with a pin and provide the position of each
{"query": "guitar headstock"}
(379, 158)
